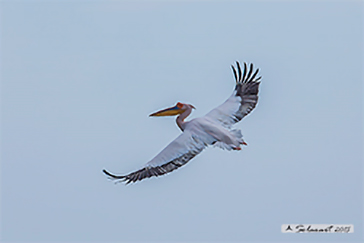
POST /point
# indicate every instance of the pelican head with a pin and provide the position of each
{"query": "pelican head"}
(179, 108)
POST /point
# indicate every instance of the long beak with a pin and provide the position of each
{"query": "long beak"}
(168, 112)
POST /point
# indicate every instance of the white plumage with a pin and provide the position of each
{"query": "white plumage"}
(215, 128)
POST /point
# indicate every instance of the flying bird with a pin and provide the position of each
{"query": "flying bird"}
(215, 128)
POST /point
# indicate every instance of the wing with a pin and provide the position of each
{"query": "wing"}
(176, 154)
(242, 101)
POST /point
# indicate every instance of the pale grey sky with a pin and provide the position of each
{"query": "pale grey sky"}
(79, 79)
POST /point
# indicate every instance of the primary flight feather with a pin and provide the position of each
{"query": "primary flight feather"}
(215, 128)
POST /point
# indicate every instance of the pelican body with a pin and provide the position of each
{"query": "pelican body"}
(215, 128)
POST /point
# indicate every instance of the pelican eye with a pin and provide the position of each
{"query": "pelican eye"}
(179, 105)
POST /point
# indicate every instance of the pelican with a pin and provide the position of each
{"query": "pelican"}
(215, 128)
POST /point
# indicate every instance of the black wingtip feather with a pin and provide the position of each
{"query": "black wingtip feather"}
(112, 175)
(250, 72)
(245, 76)
(239, 70)
(245, 69)
(255, 74)
(235, 75)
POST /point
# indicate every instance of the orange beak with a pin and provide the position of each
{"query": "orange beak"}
(175, 110)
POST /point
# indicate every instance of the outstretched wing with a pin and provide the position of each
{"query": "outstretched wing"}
(242, 101)
(176, 154)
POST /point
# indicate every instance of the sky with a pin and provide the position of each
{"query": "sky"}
(79, 79)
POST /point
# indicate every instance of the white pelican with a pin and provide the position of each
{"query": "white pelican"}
(212, 129)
